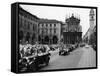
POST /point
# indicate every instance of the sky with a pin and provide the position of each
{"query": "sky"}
(60, 14)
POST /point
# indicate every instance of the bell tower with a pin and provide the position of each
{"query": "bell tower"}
(92, 18)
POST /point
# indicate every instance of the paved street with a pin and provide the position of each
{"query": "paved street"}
(81, 57)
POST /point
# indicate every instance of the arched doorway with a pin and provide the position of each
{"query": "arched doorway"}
(27, 37)
(39, 39)
(21, 35)
(46, 39)
(33, 38)
(55, 39)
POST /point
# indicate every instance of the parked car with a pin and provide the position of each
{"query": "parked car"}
(71, 49)
(52, 48)
(82, 44)
(64, 52)
(76, 45)
(86, 46)
(39, 61)
(94, 47)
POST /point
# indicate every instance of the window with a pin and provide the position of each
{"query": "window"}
(54, 25)
(25, 23)
(42, 25)
(39, 31)
(42, 31)
(92, 17)
(28, 25)
(39, 25)
(46, 25)
(50, 30)
(54, 30)
(20, 21)
(46, 30)
(33, 26)
(50, 25)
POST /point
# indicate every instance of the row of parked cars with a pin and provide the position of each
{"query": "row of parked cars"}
(67, 49)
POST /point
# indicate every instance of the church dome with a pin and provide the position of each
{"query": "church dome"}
(72, 19)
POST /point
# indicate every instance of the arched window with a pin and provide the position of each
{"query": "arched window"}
(33, 27)
(54, 31)
(27, 36)
(55, 39)
(33, 38)
(46, 39)
(28, 27)
(21, 35)
(46, 25)
(50, 25)
(54, 25)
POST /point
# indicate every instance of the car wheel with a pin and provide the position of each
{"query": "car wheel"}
(33, 67)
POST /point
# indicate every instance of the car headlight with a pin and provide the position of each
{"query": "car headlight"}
(34, 58)
(30, 62)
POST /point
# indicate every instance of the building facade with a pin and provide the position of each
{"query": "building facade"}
(33, 29)
(49, 31)
(72, 30)
(27, 27)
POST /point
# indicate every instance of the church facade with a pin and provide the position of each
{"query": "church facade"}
(72, 30)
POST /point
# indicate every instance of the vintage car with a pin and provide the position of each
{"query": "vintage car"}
(94, 47)
(33, 61)
(64, 51)
(52, 48)
(39, 61)
(71, 48)
(82, 44)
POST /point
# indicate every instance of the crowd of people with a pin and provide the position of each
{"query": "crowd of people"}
(28, 50)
